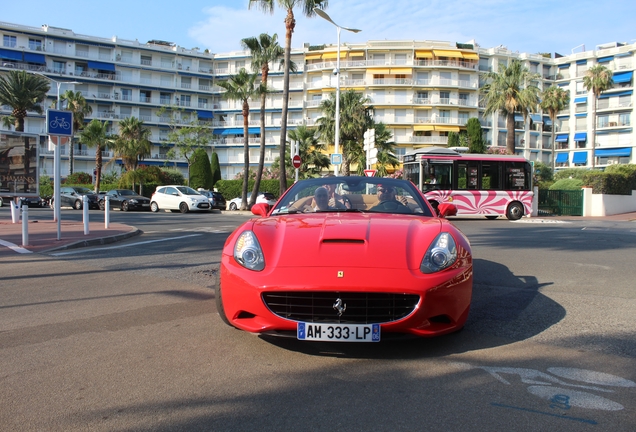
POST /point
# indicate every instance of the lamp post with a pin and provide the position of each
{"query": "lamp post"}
(56, 159)
(322, 14)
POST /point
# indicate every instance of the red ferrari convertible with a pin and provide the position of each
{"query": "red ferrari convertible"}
(349, 259)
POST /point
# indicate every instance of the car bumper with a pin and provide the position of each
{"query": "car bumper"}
(444, 298)
(199, 206)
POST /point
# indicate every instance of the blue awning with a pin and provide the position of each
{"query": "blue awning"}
(566, 65)
(547, 121)
(623, 77)
(581, 99)
(518, 117)
(205, 114)
(536, 118)
(608, 95)
(579, 62)
(562, 138)
(10, 55)
(579, 158)
(624, 152)
(34, 58)
(236, 131)
(580, 136)
(580, 115)
(561, 158)
(101, 66)
(605, 59)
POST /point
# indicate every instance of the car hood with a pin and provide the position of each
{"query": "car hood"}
(346, 239)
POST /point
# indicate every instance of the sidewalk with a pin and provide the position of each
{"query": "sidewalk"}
(43, 235)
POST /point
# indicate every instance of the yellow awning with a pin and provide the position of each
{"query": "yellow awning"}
(356, 54)
(401, 71)
(313, 56)
(361, 89)
(423, 54)
(314, 91)
(380, 71)
(447, 53)
(333, 55)
(470, 56)
(423, 128)
(447, 128)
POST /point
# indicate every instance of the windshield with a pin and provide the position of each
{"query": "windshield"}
(353, 194)
(187, 190)
(126, 192)
(83, 191)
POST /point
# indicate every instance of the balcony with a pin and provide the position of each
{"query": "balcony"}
(428, 140)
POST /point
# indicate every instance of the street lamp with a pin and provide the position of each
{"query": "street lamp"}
(322, 14)
(56, 159)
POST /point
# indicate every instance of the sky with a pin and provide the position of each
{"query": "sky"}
(562, 26)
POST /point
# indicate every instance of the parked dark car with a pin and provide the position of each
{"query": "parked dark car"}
(29, 201)
(125, 199)
(217, 201)
(72, 197)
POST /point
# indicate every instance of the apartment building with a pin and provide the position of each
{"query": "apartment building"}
(422, 90)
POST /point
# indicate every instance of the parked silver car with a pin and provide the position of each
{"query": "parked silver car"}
(182, 198)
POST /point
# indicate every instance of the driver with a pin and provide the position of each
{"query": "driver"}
(386, 196)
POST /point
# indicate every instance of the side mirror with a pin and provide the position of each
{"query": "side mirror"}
(260, 209)
(447, 209)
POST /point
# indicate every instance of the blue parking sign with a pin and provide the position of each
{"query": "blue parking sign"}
(59, 123)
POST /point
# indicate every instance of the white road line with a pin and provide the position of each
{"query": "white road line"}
(14, 247)
(123, 246)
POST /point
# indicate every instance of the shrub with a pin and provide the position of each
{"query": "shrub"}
(78, 178)
(567, 184)
(200, 173)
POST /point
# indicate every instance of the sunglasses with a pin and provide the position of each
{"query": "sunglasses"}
(389, 190)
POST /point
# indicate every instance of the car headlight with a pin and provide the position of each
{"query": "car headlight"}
(133, 201)
(442, 253)
(248, 252)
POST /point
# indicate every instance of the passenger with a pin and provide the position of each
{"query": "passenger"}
(320, 201)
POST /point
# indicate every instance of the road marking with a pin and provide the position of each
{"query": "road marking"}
(123, 246)
(14, 247)
(582, 420)
(540, 221)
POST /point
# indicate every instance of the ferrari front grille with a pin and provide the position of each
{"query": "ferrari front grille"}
(340, 307)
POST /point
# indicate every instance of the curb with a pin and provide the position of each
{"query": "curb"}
(97, 241)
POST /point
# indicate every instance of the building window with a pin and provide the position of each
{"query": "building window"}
(9, 41)
(35, 44)
(59, 67)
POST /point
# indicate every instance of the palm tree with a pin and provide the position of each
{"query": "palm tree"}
(354, 121)
(264, 49)
(242, 87)
(510, 91)
(554, 99)
(290, 23)
(23, 92)
(597, 79)
(132, 144)
(311, 151)
(77, 104)
(386, 150)
(95, 134)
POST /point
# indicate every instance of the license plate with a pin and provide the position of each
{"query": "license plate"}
(145, 205)
(339, 332)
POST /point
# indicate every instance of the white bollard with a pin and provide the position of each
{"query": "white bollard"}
(15, 212)
(106, 211)
(85, 210)
(25, 225)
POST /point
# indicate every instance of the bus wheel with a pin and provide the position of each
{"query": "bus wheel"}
(515, 211)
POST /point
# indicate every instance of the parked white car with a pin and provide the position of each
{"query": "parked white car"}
(263, 197)
(182, 198)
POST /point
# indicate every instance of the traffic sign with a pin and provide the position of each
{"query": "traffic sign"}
(370, 172)
(336, 159)
(296, 161)
(59, 122)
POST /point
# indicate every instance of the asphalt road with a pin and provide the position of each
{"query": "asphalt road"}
(126, 337)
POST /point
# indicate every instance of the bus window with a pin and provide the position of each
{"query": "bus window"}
(443, 175)
(467, 175)
(517, 176)
(491, 178)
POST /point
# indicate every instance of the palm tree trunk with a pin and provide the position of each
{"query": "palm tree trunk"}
(98, 167)
(246, 151)
(552, 135)
(290, 23)
(510, 132)
(261, 156)
(27, 163)
(71, 144)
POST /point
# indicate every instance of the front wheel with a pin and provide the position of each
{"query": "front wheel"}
(233, 206)
(154, 207)
(514, 211)
(77, 205)
(183, 207)
(124, 206)
(219, 305)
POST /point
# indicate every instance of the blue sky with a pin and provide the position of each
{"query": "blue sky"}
(219, 25)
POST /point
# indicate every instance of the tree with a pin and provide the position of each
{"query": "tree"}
(215, 168)
(386, 151)
(187, 134)
(23, 92)
(355, 119)
(242, 87)
(508, 92)
(453, 139)
(95, 134)
(76, 103)
(290, 23)
(597, 79)
(475, 136)
(311, 152)
(200, 173)
(132, 145)
(8, 122)
(264, 50)
(553, 100)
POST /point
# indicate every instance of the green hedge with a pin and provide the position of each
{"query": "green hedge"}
(234, 188)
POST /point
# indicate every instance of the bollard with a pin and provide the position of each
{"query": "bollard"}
(25, 225)
(106, 211)
(15, 212)
(85, 210)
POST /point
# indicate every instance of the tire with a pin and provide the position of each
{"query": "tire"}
(154, 207)
(1, 202)
(183, 207)
(233, 206)
(514, 211)
(77, 205)
(102, 205)
(492, 217)
(219, 305)
(124, 206)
